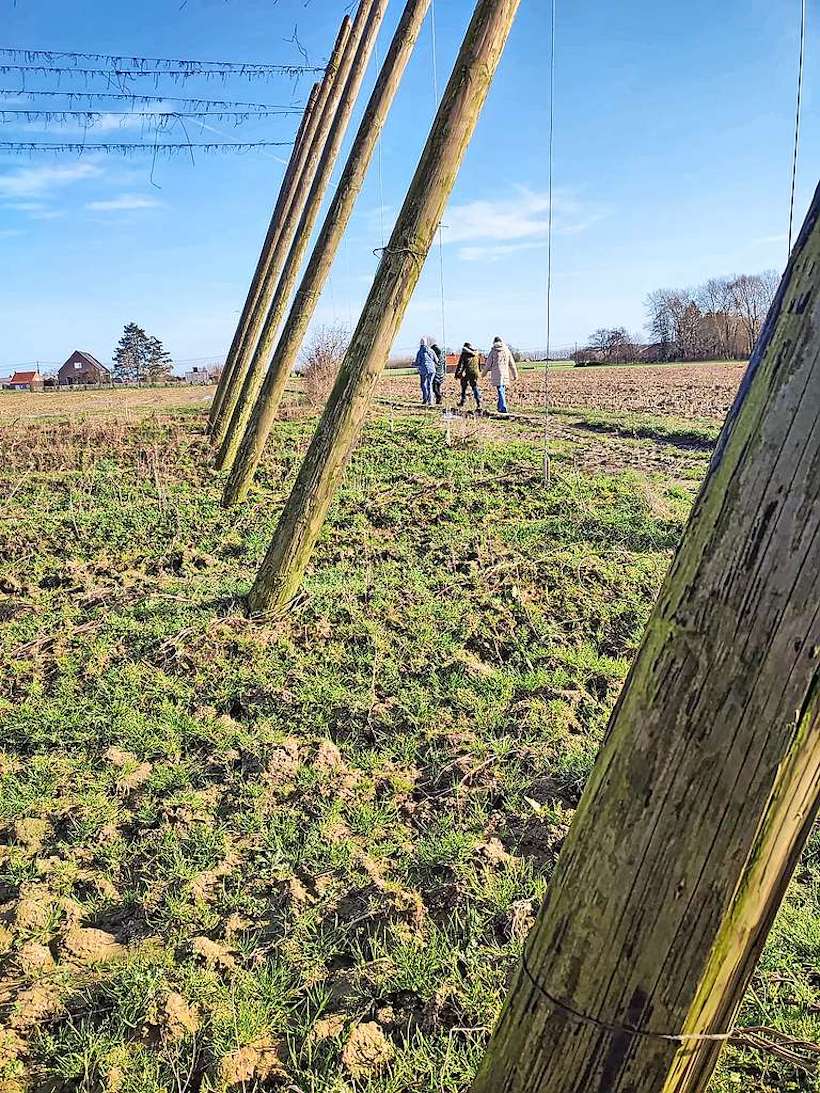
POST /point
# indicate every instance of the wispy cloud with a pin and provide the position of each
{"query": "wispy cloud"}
(123, 203)
(42, 181)
(9, 233)
(37, 210)
(522, 216)
(491, 252)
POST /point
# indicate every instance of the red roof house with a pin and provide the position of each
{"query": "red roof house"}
(26, 381)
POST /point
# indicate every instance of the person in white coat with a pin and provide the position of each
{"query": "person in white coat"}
(500, 367)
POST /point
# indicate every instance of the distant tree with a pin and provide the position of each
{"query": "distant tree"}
(141, 358)
(158, 366)
(613, 345)
(321, 362)
(752, 296)
(131, 354)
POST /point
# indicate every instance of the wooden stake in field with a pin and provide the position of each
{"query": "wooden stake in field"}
(344, 53)
(262, 354)
(707, 786)
(399, 270)
(301, 145)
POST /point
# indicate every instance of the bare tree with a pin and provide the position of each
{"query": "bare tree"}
(752, 295)
(322, 357)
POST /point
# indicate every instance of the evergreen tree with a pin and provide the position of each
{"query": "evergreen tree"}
(141, 358)
(131, 354)
(159, 363)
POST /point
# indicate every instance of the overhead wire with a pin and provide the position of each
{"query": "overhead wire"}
(798, 105)
(163, 148)
(134, 97)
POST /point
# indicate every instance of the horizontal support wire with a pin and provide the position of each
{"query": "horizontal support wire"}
(161, 148)
(137, 98)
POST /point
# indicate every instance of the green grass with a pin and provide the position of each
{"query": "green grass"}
(345, 816)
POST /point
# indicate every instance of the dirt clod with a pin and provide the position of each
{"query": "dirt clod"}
(367, 1050)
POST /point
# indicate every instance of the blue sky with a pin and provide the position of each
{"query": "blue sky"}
(672, 164)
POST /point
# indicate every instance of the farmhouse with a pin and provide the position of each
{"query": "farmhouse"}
(197, 376)
(82, 368)
(26, 381)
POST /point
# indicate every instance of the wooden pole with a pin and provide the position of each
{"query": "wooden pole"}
(307, 296)
(707, 785)
(344, 52)
(262, 354)
(399, 270)
(295, 165)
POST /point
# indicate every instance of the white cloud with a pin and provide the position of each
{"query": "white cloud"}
(9, 233)
(522, 216)
(124, 203)
(491, 252)
(41, 181)
(37, 210)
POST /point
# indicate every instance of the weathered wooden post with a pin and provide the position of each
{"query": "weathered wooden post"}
(261, 355)
(399, 270)
(349, 38)
(249, 452)
(707, 785)
(300, 148)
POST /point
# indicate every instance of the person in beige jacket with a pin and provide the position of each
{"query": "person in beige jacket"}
(500, 367)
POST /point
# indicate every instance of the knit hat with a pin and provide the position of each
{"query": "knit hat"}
(470, 347)
(496, 340)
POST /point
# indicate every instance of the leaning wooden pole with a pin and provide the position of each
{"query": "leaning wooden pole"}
(318, 269)
(399, 270)
(708, 782)
(295, 165)
(262, 354)
(324, 111)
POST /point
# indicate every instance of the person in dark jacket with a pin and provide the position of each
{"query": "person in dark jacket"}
(426, 368)
(441, 372)
(469, 364)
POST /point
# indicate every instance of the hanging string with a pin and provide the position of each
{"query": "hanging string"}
(548, 294)
(440, 238)
(797, 121)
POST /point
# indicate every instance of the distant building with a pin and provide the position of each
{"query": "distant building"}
(203, 376)
(82, 368)
(26, 381)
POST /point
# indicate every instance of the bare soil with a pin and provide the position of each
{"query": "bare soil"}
(694, 391)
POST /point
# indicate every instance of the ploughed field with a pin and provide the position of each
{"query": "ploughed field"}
(695, 391)
(304, 853)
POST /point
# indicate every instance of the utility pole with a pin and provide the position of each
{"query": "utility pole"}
(343, 54)
(399, 270)
(707, 786)
(295, 166)
(249, 452)
(261, 356)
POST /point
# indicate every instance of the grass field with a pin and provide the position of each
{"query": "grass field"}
(304, 854)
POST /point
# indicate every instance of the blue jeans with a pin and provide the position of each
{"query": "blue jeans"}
(426, 388)
(502, 402)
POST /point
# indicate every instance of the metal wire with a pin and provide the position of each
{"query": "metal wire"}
(548, 317)
(797, 121)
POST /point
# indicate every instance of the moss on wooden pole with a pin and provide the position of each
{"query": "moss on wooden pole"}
(262, 354)
(325, 111)
(707, 785)
(399, 270)
(295, 165)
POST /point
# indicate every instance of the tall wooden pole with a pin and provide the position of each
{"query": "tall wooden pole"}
(399, 270)
(262, 354)
(295, 165)
(707, 785)
(325, 111)
(284, 357)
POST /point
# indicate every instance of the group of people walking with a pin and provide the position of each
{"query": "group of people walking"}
(431, 365)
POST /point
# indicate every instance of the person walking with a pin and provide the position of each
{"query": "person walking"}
(501, 369)
(426, 368)
(467, 370)
(441, 372)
